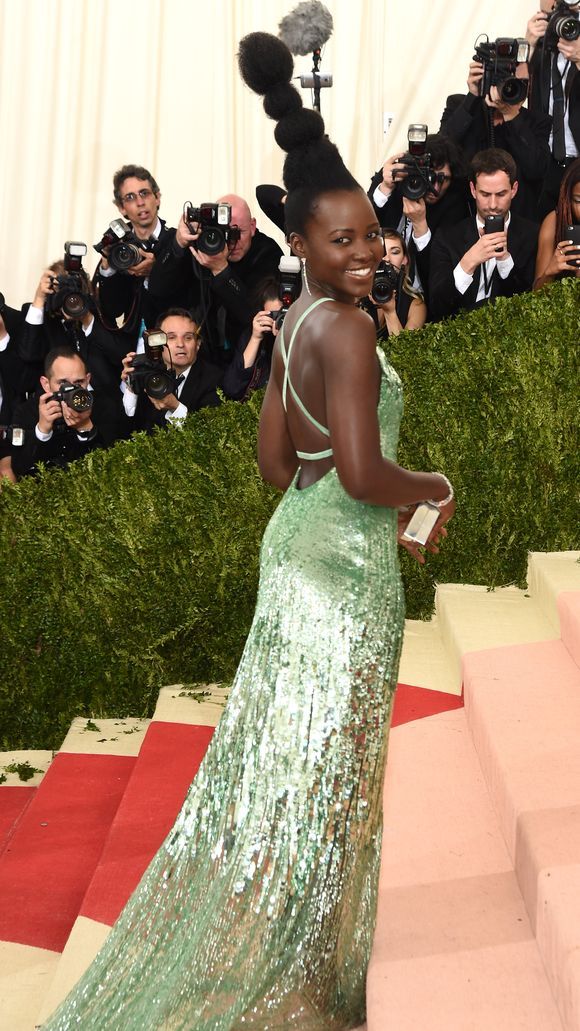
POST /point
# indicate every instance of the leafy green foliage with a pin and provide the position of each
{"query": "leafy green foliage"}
(137, 567)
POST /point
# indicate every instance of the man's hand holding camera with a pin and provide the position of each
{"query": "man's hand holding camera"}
(416, 212)
(44, 288)
(393, 171)
(143, 268)
(169, 403)
(489, 245)
(50, 410)
(187, 235)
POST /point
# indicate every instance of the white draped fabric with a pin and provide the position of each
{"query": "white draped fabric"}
(88, 85)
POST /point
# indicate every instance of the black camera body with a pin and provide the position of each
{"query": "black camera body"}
(123, 246)
(421, 176)
(290, 285)
(77, 398)
(213, 222)
(500, 60)
(71, 296)
(564, 23)
(150, 374)
(387, 279)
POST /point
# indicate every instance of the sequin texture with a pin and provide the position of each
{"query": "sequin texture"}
(258, 910)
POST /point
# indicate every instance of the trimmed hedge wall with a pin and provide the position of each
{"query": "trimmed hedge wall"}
(138, 566)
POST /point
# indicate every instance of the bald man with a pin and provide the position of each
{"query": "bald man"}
(222, 285)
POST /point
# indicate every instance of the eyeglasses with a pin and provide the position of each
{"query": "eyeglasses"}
(129, 198)
(441, 177)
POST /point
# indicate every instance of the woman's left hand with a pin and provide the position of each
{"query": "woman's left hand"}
(417, 551)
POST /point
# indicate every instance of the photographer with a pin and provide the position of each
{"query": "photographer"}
(405, 308)
(475, 261)
(12, 368)
(444, 205)
(555, 87)
(249, 369)
(558, 256)
(218, 284)
(477, 123)
(126, 293)
(192, 382)
(47, 326)
(48, 429)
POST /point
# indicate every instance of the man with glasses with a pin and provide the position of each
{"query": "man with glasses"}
(476, 123)
(126, 294)
(445, 204)
(219, 285)
(196, 380)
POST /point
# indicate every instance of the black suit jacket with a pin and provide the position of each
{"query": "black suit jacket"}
(102, 351)
(226, 300)
(541, 85)
(466, 121)
(12, 368)
(449, 246)
(455, 205)
(127, 297)
(198, 391)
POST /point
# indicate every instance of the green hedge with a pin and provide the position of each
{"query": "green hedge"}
(138, 566)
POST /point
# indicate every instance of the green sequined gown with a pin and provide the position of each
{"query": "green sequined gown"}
(258, 910)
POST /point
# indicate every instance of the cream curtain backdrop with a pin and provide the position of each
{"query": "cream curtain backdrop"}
(88, 85)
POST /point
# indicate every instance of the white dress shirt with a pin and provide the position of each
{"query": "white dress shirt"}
(463, 280)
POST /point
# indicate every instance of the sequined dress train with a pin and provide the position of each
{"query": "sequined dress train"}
(258, 910)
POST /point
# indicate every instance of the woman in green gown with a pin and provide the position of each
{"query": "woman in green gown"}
(258, 910)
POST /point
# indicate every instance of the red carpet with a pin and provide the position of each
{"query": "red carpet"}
(96, 822)
(49, 861)
(13, 802)
(168, 761)
(413, 703)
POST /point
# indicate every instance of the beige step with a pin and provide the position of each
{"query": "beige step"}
(550, 573)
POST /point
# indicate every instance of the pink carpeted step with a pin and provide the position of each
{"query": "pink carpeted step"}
(523, 708)
(50, 858)
(569, 613)
(168, 761)
(14, 800)
(453, 948)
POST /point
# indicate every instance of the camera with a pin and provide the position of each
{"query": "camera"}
(70, 291)
(500, 60)
(150, 375)
(290, 285)
(387, 279)
(564, 23)
(123, 246)
(77, 398)
(421, 176)
(213, 222)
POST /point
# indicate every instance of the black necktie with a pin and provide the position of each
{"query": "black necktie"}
(178, 383)
(559, 140)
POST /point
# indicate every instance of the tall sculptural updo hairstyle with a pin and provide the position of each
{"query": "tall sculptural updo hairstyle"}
(313, 165)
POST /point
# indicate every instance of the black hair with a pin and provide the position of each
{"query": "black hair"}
(61, 351)
(313, 165)
(268, 289)
(486, 162)
(445, 151)
(131, 172)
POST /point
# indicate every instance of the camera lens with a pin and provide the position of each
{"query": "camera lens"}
(513, 91)
(123, 256)
(567, 28)
(211, 241)
(159, 384)
(75, 305)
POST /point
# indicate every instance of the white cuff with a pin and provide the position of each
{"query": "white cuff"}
(107, 272)
(4, 342)
(462, 279)
(34, 316)
(380, 198)
(505, 267)
(42, 436)
(422, 241)
(178, 415)
(130, 402)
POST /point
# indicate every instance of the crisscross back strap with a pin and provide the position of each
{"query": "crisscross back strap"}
(312, 456)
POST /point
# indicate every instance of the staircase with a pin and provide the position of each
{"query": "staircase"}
(479, 911)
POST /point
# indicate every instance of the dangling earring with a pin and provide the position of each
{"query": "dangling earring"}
(305, 277)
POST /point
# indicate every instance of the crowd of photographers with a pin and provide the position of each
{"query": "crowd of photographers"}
(173, 319)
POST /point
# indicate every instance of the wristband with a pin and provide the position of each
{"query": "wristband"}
(450, 496)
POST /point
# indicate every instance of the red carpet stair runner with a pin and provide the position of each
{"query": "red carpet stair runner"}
(479, 913)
